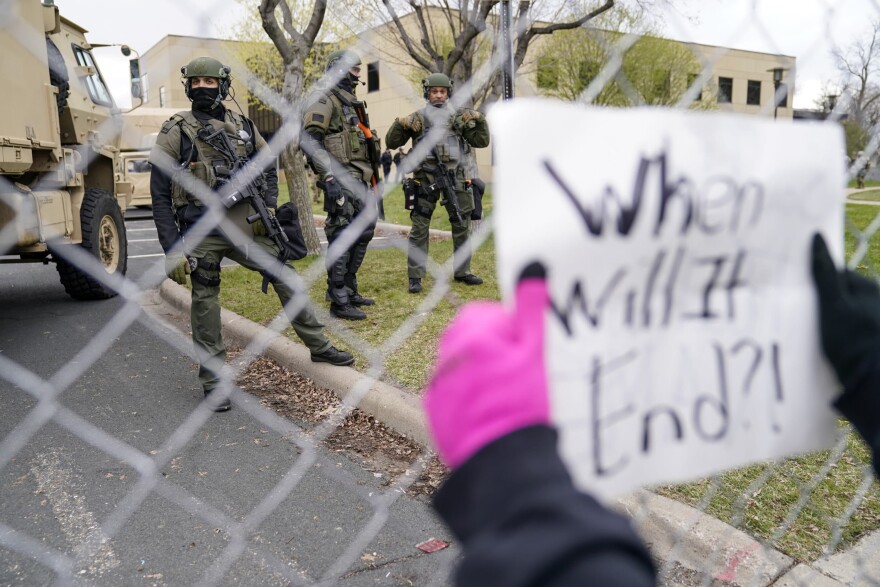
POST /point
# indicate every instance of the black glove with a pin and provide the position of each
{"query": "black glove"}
(334, 198)
(849, 321)
(849, 316)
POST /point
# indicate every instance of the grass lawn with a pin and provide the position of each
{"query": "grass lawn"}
(395, 213)
(383, 277)
(729, 497)
(763, 509)
(869, 196)
(868, 184)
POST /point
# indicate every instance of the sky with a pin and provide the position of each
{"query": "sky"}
(806, 29)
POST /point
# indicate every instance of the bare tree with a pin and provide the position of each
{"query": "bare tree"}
(448, 36)
(860, 65)
(294, 47)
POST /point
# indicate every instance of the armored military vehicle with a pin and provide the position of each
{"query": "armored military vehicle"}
(61, 190)
(139, 129)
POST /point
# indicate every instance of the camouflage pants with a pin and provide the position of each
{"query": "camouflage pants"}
(418, 236)
(205, 311)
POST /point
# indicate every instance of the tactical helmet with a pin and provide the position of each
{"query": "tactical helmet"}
(206, 67)
(436, 80)
(344, 58)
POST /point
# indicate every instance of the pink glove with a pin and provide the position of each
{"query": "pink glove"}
(490, 378)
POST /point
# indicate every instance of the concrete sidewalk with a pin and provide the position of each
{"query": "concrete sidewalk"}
(690, 545)
(852, 191)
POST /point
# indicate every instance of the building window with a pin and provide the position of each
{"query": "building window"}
(725, 90)
(145, 87)
(753, 93)
(162, 97)
(373, 76)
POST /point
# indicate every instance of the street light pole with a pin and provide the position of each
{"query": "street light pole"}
(507, 42)
(777, 82)
(134, 66)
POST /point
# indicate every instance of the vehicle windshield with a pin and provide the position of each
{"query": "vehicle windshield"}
(98, 91)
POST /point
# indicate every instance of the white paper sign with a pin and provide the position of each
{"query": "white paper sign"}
(682, 338)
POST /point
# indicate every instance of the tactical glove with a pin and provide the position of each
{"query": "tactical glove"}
(333, 190)
(467, 115)
(411, 122)
(849, 322)
(260, 228)
(490, 378)
(177, 267)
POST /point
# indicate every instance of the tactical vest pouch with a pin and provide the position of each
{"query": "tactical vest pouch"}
(354, 139)
(196, 170)
(339, 147)
(449, 151)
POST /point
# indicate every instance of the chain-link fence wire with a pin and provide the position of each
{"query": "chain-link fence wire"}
(47, 391)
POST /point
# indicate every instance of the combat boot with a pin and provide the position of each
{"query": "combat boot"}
(216, 403)
(468, 279)
(415, 285)
(357, 299)
(340, 304)
(346, 312)
(351, 281)
(334, 356)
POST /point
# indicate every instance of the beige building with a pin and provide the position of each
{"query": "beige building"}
(740, 81)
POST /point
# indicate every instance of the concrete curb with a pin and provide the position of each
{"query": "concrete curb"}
(388, 229)
(689, 543)
(397, 409)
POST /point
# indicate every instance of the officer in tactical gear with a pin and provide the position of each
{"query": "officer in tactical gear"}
(345, 156)
(465, 128)
(184, 156)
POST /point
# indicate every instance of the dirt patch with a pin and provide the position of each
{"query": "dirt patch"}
(360, 436)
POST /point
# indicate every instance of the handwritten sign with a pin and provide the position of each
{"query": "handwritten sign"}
(682, 338)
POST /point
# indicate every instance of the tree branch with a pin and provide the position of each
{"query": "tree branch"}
(561, 26)
(404, 36)
(315, 22)
(468, 33)
(270, 25)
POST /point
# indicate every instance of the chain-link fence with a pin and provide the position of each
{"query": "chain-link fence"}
(140, 466)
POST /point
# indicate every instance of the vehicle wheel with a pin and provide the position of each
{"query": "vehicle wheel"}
(103, 235)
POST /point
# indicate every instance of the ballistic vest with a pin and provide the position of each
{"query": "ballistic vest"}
(204, 158)
(449, 148)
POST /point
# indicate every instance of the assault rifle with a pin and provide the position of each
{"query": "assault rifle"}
(233, 188)
(444, 181)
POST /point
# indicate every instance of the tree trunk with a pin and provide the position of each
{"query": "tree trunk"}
(297, 188)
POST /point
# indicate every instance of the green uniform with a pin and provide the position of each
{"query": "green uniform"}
(175, 210)
(459, 135)
(341, 149)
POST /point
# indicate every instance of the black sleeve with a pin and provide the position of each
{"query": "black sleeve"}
(163, 210)
(523, 523)
(861, 406)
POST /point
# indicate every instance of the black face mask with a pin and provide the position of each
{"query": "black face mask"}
(203, 98)
(345, 84)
